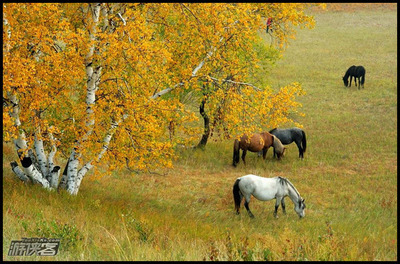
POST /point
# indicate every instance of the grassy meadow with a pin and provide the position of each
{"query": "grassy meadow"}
(348, 176)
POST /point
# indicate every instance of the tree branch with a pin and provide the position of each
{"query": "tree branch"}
(166, 91)
(198, 21)
(106, 142)
(239, 83)
(123, 20)
(194, 72)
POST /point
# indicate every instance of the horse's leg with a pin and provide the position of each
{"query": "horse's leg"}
(283, 205)
(244, 156)
(264, 150)
(246, 204)
(355, 81)
(351, 78)
(359, 83)
(298, 143)
(278, 201)
(240, 201)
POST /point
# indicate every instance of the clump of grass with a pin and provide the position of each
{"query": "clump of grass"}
(69, 234)
(137, 228)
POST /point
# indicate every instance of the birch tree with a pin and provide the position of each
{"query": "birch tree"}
(90, 84)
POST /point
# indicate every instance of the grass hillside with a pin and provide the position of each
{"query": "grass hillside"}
(348, 176)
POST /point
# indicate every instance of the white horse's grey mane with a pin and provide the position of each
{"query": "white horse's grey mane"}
(285, 180)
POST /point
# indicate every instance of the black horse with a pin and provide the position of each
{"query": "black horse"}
(288, 135)
(357, 72)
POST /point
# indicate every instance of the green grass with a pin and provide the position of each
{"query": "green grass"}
(348, 176)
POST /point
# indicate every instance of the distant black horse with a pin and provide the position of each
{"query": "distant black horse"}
(288, 135)
(357, 72)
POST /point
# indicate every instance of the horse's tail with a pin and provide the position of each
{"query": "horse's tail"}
(237, 196)
(235, 153)
(363, 79)
(304, 141)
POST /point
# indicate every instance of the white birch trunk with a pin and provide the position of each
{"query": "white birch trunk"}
(92, 85)
(33, 158)
(93, 75)
(20, 144)
(20, 174)
(82, 172)
(15, 110)
(29, 169)
(41, 156)
(106, 142)
(35, 174)
(104, 13)
(64, 178)
(93, 79)
(50, 158)
(55, 174)
(27, 165)
(72, 171)
(29, 173)
(7, 29)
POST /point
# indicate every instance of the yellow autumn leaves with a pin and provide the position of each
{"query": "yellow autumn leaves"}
(240, 110)
(142, 49)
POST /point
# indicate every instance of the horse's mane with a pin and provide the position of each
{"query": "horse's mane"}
(289, 183)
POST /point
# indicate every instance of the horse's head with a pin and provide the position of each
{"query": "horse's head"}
(283, 151)
(299, 207)
(345, 81)
(280, 155)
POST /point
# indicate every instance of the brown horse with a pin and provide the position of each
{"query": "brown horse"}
(255, 143)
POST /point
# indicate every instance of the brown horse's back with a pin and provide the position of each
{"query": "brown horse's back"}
(257, 142)
(268, 138)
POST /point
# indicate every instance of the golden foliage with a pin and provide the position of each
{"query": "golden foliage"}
(142, 49)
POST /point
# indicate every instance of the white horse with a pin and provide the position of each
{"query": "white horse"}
(265, 189)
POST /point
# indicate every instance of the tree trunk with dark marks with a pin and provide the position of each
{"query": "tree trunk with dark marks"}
(206, 133)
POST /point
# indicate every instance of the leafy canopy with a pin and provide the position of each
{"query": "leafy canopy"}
(142, 50)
